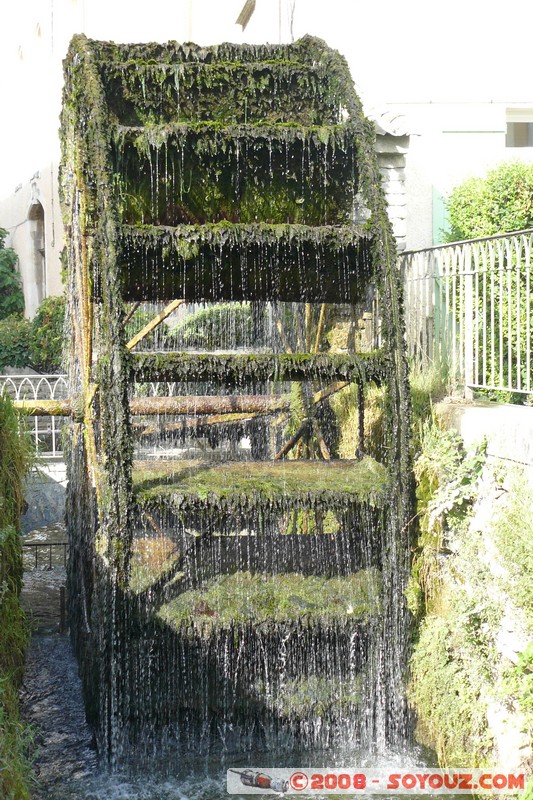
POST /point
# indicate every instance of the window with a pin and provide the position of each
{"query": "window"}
(36, 218)
(519, 127)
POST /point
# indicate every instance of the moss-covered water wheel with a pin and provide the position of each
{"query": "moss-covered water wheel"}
(229, 175)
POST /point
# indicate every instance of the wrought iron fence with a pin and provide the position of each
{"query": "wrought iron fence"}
(44, 555)
(469, 305)
(46, 431)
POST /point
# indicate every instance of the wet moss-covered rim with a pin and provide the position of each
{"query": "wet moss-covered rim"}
(240, 486)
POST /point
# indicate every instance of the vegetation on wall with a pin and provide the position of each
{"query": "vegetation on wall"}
(460, 594)
(11, 297)
(449, 676)
(16, 456)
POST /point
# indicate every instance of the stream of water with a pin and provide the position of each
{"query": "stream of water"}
(66, 764)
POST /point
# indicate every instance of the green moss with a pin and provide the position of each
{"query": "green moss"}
(238, 486)
(448, 689)
(265, 598)
(267, 91)
(208, 173)
(303, 82)
(233, 369)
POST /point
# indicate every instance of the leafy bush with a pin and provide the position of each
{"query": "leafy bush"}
(11, 297)
(47, 335)
(15, 332)
(37, 344)
(500, 203)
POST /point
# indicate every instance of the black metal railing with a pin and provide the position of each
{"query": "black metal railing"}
(47, 555)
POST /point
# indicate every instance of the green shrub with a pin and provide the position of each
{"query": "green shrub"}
(37, 344)
(500, 203)
(15, 332)
(48, 335)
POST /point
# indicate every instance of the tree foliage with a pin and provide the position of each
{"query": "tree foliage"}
(11, 297)
(499, 203)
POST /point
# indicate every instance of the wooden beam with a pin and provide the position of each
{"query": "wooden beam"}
(131, 312)
(287, 447)
(209, 404)
(184, 405)
(152, 325)
(320, 327)
(323, 394)
(194, 423)
(44, 408)
(324, 450)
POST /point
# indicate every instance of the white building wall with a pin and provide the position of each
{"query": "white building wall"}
(454, 141)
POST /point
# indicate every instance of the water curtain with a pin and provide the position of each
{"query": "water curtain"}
(234, 586)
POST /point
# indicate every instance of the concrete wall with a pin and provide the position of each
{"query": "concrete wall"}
(507, 428)
(392, 152)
